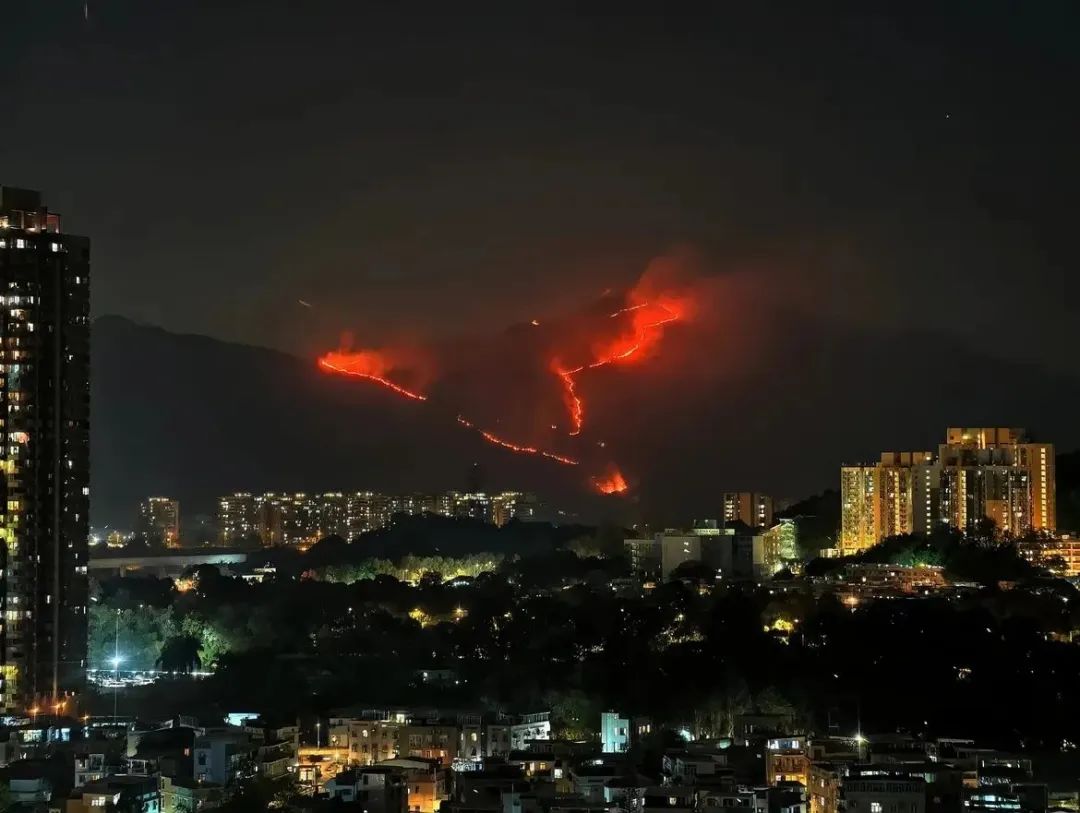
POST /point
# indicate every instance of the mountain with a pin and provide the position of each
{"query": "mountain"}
(193, 417)
(759, 400)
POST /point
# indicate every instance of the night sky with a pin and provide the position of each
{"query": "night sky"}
(443, 168)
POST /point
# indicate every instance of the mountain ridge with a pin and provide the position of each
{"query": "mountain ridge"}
(195, 417)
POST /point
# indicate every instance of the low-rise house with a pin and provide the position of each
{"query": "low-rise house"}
(425, 781)
(590, 779)
(484, 790)
(735, 800)
(823, 787)
(142, 793)
(187, 795)
(223, 756)
(664, 799)
(374, 789)
(434, 741)
(884, 793)
(534, 764)
(38, 781)
(530, 727)
(89, 767)
(275, 759)
(787, 759)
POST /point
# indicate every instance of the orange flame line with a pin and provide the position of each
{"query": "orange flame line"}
(621, 311)
(513, 447)
(614, 483)
(326, 365)
(574, 403)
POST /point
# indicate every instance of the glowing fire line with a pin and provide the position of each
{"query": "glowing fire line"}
(613, 481)
(621, 311)
(513, 447)
(574, 404)
(327, 365)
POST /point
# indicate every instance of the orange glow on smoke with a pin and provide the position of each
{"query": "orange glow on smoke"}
(513, 447)
(611, 483)
(369, 364)
(647, 318)
(640, 327)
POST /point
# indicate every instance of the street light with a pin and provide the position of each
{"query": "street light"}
(318, 734)
(116, 660)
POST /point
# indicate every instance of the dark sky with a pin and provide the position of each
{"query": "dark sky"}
(445, 167)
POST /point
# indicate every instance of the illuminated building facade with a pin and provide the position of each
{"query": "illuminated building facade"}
(977, 474)
(749, 508)
(1060, 555)
(787, 759)
(332, 513)
(45, 395)
(365, 512)
(645, 556)
(999, 474)
(897, 495)
(780, 547)
(300, 520)
(237, 518)
(288, 519)
(159, 521)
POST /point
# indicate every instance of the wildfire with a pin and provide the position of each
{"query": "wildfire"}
(570, 397)
(611, 483)
(643, 331)
(367, 364)
(645, 319)
(513, 447)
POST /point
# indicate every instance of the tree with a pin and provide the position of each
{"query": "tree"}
(136, 635)
(180, 653)
(574, 715)
(694, 571)
(716, 718)
(259, 795)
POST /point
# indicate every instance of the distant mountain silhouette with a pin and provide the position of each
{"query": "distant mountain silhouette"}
(774, 409)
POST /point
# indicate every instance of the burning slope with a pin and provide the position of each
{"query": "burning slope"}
(369, 364)
(646, 319)
(513, 447)
(625, 336)
(612, 482)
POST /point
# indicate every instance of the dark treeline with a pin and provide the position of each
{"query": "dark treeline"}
(982, 557)
(547, 630)
(430, 535)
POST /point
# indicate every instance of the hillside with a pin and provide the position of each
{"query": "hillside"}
(195, 417)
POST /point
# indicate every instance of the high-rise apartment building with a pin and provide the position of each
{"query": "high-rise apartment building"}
(749, 508)
(44, 458)
(288, 519)
(977, 474)
(999, 474)
(237, 518)
(332, 510)
(302, 519)
(159, 521)
(367, 511)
